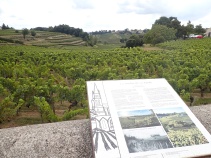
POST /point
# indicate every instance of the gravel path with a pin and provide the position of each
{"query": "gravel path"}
(203, 113)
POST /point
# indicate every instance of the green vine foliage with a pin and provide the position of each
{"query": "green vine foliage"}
(46, 78)
(70, 114)
(45, 110)
(7, 109)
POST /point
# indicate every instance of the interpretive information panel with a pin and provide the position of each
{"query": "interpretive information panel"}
(143, 118)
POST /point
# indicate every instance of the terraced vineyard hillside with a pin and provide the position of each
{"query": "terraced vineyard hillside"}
(42, 38)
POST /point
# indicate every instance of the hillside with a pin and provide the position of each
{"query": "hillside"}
(42, 38)
(109, 40)
(61, 40)
(112, 37)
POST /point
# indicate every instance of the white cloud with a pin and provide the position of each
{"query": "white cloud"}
(142, 7)
(91, 15)
(83, 4)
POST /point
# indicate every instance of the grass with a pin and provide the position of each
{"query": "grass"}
(167, 119)
(9, 32)
(24, 118)
(202, 101)
(112, 38)
(27, 121)
(198, 100)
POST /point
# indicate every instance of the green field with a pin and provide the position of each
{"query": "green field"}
(112, 38)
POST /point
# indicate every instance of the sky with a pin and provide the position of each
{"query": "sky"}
(95, 15)
(144, 133)
(135, 113)
(169, 110)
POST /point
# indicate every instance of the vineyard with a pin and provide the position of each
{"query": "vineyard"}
(187, 137)
(181, 130)
(52, 82)
(42, 39)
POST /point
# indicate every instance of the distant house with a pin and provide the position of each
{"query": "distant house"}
(136, 31)
(140, 31)
(0, 28)
(208, 33)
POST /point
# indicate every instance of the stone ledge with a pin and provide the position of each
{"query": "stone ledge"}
(68, 139)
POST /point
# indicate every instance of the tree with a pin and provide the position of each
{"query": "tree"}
(159, 34)
(33, 33)
(123, 40)
(92, 40)
(199, 30)
(85, 36)
(4, 27)
(25, 32)
(171, 22)
(182, 32)
(134, 41)
(174, 23)
(190, 28)
(145, 30)
(163, 21)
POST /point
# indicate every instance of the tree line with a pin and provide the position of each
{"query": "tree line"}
(77, 32)
(164, 29)
(4, 27)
